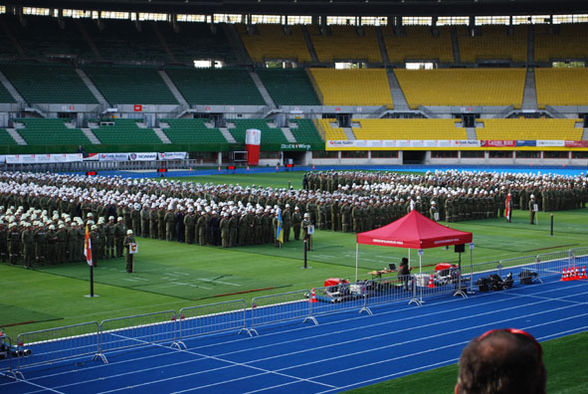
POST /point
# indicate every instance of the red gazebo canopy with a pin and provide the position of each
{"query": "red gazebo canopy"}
(414, 231)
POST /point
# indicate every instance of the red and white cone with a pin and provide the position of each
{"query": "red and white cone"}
(564, 275)
(431, 284)
(313, 296)
(583, 276)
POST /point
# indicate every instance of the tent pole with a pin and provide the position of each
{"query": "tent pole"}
(356, 259)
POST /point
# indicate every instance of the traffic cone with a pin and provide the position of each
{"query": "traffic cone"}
(431, 284)
(219, 168)
(583, 276)
(313, 296)
(277, 168)
(576, 273)
(247, 167)
(564, 275)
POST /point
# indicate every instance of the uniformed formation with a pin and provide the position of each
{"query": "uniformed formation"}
(43, 216)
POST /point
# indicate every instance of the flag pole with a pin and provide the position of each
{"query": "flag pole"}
(92, 280)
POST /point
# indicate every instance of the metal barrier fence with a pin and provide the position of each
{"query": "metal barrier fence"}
(276, 308)
(57, 344)
(7, 356)
(211, 319)
(92, 339)
(139, 330)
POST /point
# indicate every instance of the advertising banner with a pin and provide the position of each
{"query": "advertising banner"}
(143, 156)
(173, 156)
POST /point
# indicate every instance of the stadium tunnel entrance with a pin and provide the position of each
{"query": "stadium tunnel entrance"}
(414, 157)
(294, 157)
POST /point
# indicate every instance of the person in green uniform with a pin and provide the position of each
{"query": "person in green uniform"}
(306, 236)
(224, 229)
(170, 223)
(60, 252)
(28, 245)
(286, 222)
(119, 235)
(96, 243)
(296, 222)
(189, 226)
(14, 243)
(532, 205)
(109, 232)
(130, 257)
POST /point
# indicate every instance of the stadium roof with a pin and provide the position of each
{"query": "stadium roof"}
(324, 7)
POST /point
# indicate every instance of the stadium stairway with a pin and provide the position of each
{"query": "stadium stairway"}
(89, 40)
(455, 46)
(398, 98)
(92, 88)
(11, 89)
(237, 44)
(309, 44)
(349, 133)
(16, 137)
(173, 89)
(227, 134)
(531, 44)
(471, 133)
(88, 133)
(163, 43)
(262, 90)
(382, 45)
(289, 136)
(162, 135)
(530, 92)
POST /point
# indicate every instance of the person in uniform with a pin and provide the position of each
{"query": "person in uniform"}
(28, 245)
(189, 226)
(296, 222)
(130, 257)
(96, 242)
(306, 224)
(404, 273)
(286, 222)
(119, 235)
(532, 203)
(109, 232)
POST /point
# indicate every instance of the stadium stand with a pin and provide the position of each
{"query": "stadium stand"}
(408, 129)
(123, 131)
(5, 96)
(49, 132)
(130, 85)
(6, 139)
(216, 86)
(352, 87)
(269, 135)
(331, 133)
(561, 42)
(46, 37)
(529, 129)
(192, 131)
(48, 83)
(289, 86)
(493, 43)
(345, 43)
(457, 87)
(196, 41)
(117, 40)
(271, 42)
(7, 50)
(418, 43)
(561, 86)
(304, 131)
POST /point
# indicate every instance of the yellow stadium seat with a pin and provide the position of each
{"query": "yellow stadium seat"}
(463, 87)
(418, 44)
(529, 129)
(331, 133)
(344, 43)
(352, 87)
(271, 42)
(561, 86)
(408, 129)
(568, 43)
(493, 43)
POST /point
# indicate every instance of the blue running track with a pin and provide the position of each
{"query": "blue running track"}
(345, 351)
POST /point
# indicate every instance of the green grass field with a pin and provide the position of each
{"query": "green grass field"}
(170, 275)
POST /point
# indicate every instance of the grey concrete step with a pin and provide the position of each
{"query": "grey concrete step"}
(228, 136)
(91, 136)
(172, 87)
(162, 136)
(309, 44)
(585, 134)
(92, 88)
(349, 133)
(288, 134)
(530, 91)
(262, 90)
(16, 137)
(398, 97)
(11, 89)
(471, 133)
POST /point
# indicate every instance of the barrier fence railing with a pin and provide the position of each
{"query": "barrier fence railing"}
(211, 319)
(277, 308)
(139, 330)
(57, 344)
(54, 345)
(7, 356)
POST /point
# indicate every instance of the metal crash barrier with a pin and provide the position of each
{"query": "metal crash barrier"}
(78, 341)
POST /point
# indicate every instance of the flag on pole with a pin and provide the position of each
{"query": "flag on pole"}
(507, 211)
(88, 247)
(280, 230)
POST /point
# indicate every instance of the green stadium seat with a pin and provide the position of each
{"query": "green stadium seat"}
(48, 83)
(6, 139)
(305, 133)
(289, 87)
(192, 131)
(50, 132)
(124, 131)
(216, 86)
(269, 135)
(130, 85)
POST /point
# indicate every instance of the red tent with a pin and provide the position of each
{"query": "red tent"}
(414, 231)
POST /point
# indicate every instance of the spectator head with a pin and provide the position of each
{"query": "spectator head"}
(506, 361)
